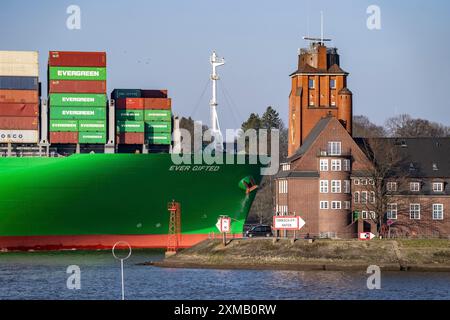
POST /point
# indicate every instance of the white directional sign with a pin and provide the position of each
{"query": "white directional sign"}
(224, 224)
(288, 223)
(366, 236)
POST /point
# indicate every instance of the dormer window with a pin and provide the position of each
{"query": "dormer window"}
(414, 186)
(438, 187)
(435, 167)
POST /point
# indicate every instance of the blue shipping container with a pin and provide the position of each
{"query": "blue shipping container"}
(19, 83)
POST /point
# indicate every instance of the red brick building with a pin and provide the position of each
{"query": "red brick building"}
(330, 178)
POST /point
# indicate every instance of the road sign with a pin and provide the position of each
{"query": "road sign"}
(288, 223)
(224, 224)
(366, 236)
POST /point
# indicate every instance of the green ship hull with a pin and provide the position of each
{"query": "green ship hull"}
(94, 200)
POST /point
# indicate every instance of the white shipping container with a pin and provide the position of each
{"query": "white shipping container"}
(19, 136)
(19, 69)
(27, 57)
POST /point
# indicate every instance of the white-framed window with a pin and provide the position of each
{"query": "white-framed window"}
(346, 165)
(373, 215)
(347, 205)
(356, 197)
(311, 83)
(438, 211)
(335, 186)
(356, 182)
(364, 182)
(438, 186)
(286, 166)
(323, 164)
(335, 148)
(414, 186)
(392, 211)
(336, 205)
(364, 197)
(365, 215)
(282, 210)
(336, 165)
(372, 197)
(391, 186)
(323, 186)
(347, 186)
(371, 182)
(324, 205)
(414, 211)
(282, 186)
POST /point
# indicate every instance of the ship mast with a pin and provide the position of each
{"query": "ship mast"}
(215, 127)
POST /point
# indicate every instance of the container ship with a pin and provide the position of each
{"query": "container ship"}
(81, 170)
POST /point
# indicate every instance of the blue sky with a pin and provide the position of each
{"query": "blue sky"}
(402, 68)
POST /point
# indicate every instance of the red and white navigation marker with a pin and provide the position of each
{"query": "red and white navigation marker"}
(224, 224)
(366, 236)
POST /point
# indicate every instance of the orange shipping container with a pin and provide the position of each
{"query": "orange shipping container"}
(19, 96)
(130, 103)
(19, 110)
(19, 123)
(158, 103)
(130, 138)
(63, 137)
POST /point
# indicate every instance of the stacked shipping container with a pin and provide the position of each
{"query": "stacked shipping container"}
(77, 97)
(143, 116)
(19, 97)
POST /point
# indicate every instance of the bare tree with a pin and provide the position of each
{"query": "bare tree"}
(388, 165)
(407, 127)
(364, 128)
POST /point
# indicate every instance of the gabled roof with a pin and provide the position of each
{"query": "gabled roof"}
(312, 136)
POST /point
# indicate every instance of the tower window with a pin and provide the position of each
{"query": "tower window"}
(332, 83)
(311, 84)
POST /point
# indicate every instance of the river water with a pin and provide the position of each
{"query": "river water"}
(43, 275)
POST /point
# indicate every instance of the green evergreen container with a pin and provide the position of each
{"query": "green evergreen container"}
(158, 126)
(92, 125)
(92, 137)
(63, 125)
(130, 126)
(129, 114)
(77, 73)
(78, 100)
(158, 138)
(77, 113)
(157, 115)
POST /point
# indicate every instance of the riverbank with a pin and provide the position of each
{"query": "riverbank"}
(333, 255)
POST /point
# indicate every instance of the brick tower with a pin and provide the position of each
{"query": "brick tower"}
(319, 88)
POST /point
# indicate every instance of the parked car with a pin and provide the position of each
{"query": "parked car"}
(261, 230)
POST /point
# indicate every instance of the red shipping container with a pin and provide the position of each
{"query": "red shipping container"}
(63, 137)
(130, 138)
(158, 103)
(19, 123)
(154, 93)
(76, 59)
(72, 86)
(19, 96)
(19, 110)
(130, 103)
